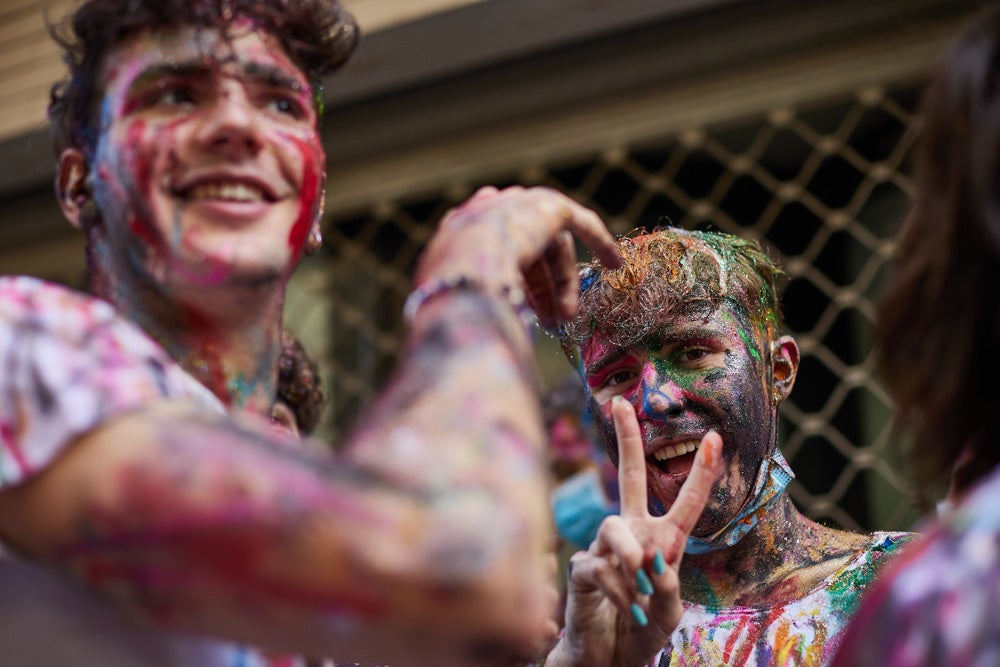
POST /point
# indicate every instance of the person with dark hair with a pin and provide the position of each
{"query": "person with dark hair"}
(586, 488)
(300, 399)
(150, 513)
(938, 331)
(680, 345)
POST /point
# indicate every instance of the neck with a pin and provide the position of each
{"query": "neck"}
(228, 338)
(784, 557)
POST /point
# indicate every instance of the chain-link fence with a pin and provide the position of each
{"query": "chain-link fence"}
(822, 184)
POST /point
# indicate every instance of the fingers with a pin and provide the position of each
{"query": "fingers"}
(587, 226)
(591, 572)
(537, 227)
(631, 459)
(559, 212)
(561, 256)
(541, 293)
(664, 605)
(619, 572)
(694, 494)
(552, 282)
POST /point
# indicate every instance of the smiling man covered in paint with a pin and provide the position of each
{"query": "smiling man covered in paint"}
(685, 339)
(151, 514)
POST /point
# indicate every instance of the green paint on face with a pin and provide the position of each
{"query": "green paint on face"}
(748, 338)
(682, 377)
(751, 344)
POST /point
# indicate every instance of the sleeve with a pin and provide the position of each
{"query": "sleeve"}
(68, 363)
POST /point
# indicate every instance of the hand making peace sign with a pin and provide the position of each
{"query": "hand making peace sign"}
(624, 591)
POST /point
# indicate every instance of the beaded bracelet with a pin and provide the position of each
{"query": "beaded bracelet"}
(427, 291)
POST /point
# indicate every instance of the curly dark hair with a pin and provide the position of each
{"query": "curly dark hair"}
(672, 270)
(299, 384)
(318, 35)
(938, 325)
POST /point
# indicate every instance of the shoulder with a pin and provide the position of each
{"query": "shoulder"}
(940, 601)
(42, 320)
(846, 587)
(69, 363)
(56, 337)
(42, 313)
(24, 299)
(886, 545)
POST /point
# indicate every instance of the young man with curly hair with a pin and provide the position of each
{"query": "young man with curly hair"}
(681, 345)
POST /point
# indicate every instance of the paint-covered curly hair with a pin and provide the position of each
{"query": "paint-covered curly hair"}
(318, 35)
(672, 270)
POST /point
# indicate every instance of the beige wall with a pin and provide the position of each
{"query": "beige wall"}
(29, 60)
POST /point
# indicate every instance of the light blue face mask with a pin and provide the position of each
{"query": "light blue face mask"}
(773, 476)
(579, 505)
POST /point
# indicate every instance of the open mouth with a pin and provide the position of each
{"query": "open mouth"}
(675, 459)
(226, 191)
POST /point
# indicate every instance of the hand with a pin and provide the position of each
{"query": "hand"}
(520, 238)
(607, 611)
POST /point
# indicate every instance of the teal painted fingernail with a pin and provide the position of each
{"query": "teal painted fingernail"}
(642, 580)
(659, 565)
(616, 399)
(638, 615)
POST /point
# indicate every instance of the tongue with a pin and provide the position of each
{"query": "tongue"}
(680, 465)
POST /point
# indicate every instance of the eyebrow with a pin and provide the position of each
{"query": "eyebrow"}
(657, 338)
(272, 77)
(608, 360)
(160, 71)
(267, 75)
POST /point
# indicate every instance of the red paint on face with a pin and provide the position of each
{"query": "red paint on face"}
(312, 158)
(191, 109)
(142, 168)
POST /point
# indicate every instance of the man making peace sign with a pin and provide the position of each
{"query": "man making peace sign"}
(682, 356)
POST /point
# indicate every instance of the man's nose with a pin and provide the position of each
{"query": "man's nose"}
(233, 125)
(660, 398)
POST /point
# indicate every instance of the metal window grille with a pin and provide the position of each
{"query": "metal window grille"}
(823, 184)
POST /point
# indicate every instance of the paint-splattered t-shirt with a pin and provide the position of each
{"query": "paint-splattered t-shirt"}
(803, 632)
(940, 603)
(68, 363)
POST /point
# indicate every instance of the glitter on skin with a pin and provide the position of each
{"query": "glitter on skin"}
(693, 317)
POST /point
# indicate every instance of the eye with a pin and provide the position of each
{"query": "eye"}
(618, 378)
(172, 94)
(690, 355)
(286, 105)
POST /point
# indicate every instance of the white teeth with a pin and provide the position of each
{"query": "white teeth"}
(670, 451)
(227, 191)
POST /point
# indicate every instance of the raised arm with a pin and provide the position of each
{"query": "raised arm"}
(427, 530)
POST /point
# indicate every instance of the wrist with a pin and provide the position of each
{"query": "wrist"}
(440, 287)
(559, 656)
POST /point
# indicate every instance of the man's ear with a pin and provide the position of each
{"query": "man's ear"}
(73, 187)
(785, 366)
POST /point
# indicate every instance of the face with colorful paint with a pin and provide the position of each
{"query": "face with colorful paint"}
(208, 167)
(690, 374)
